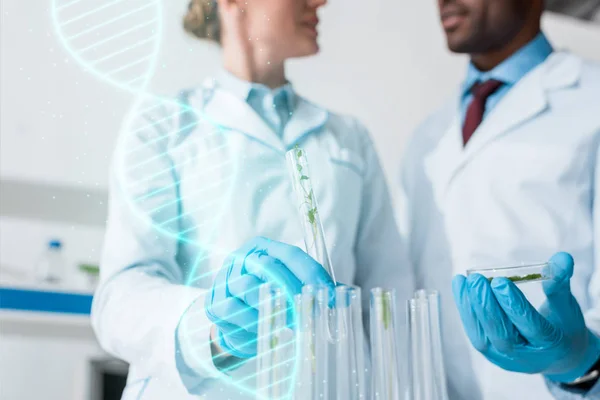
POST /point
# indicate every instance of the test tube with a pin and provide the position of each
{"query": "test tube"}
(349, 351)
(274, 346)
(427, 376)
(439, 371)
(314, 238)
(304, 372)
(321, 340)
(329, 366)
(359, 342)
(385, 378)
(312, 347)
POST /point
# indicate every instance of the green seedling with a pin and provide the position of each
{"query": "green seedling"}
(311, 214)
(387, 312)
(525, 278)
(89, 269)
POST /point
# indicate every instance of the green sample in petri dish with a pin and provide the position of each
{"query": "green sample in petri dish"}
(517, 274)
(526, 278)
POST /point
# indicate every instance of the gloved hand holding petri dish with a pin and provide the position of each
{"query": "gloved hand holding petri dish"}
(510, 332)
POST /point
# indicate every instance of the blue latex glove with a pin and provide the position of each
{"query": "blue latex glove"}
(512, 334)
(233, 303)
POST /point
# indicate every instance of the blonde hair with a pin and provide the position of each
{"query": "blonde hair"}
(202, 20)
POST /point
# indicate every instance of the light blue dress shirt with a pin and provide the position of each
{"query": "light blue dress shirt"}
(274, 106)
(509, 72)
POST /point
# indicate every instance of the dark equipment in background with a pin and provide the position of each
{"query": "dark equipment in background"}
(588, 10)
(108, 379)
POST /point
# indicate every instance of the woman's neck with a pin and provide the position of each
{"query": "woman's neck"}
(253, 66)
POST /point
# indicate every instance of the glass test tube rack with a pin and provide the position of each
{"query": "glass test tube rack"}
(313, 362)
(325, 356)
(324, 363)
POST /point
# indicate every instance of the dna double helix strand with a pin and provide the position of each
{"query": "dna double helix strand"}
(118, 42)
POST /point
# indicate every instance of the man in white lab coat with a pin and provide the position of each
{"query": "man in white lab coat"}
(505, 173)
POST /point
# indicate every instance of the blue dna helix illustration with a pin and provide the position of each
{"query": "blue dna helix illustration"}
(119, 42)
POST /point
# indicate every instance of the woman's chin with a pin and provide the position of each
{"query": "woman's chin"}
(308, 48)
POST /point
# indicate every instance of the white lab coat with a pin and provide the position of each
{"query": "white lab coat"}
(522, 189)
(193, 181)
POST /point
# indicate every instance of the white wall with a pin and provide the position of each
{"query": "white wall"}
(384, 61)
(43, 359)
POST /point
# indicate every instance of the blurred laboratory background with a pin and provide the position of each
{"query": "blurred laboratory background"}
(383, 61)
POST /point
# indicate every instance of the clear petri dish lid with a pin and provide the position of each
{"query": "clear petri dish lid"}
(518, 273)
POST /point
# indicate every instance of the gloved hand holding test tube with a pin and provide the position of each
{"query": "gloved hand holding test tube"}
(233, 302)
(337, 322)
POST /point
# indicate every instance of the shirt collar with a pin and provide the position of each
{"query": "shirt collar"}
(511, 70)
(243, 89)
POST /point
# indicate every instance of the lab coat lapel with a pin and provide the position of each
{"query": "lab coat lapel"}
(307, 118)
(223, 109)
(525, 101)
(446, 158)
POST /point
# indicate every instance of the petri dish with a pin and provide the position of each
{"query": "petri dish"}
(517, 274)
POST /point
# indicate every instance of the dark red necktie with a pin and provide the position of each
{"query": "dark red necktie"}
(481, 91)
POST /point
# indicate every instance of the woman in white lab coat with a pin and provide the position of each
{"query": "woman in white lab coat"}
(198, 177)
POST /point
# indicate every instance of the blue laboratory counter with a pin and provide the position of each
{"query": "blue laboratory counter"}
(44, 300)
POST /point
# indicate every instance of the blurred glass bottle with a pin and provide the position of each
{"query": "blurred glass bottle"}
(51, 264)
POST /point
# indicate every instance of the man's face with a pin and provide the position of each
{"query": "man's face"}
(479, 26)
